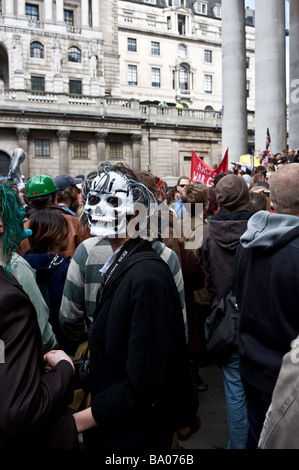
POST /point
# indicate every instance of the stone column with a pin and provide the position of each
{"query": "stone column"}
(48, 11)
(9, 8)
(95, 14)
(176, 157)
(136, 161)
(59, 11)
(101, 138)
(63, 151)
(234, 118)
(21, 9)
(270, 73)
(153, 145)
(22, 135)
(85, 13)
(294, 77)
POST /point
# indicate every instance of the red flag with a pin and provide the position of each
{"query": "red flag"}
(200, 171)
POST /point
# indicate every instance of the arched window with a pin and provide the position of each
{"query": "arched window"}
(74, 54)
(36, 50)
(183, 78)
(182, 51)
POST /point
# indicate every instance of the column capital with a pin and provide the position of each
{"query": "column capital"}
(22, 133)
(63, 135)
(101, 136)
(136, 138)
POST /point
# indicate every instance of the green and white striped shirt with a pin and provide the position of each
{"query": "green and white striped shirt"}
(84, 279)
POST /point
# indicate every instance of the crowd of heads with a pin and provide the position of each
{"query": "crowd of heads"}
(112, 192)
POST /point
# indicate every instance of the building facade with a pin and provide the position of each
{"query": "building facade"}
(81, 81)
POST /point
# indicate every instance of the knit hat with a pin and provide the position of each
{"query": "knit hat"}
(232, 193)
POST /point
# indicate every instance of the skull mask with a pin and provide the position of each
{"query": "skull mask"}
(108, 203)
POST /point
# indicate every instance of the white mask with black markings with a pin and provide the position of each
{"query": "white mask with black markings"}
(108, 204)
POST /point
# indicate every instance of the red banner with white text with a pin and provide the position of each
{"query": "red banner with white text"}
(200, 171)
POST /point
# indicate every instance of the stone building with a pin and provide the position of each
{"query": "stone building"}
(81, 81)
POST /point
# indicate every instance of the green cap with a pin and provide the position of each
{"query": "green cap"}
(40, 185)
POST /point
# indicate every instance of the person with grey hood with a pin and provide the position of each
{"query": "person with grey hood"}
(267, 275)
(220, 243)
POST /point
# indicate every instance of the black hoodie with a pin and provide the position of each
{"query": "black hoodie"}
(220, 243)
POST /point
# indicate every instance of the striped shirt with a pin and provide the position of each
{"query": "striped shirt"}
(84, 279)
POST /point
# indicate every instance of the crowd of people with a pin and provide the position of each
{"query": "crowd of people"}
(83, 265)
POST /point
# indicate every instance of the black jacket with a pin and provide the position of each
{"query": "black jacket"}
(33, 411)
(221, 239)
(268, 297)
(133, 350)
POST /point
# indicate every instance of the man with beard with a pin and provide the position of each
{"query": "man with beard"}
(67, 196)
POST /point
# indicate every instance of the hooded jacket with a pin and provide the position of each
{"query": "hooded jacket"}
(220, 243)
(267, 275)
(51, 271)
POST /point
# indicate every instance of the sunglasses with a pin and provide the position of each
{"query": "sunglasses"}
(183, 185)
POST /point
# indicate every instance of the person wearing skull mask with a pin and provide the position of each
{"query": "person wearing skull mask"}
(137, 341)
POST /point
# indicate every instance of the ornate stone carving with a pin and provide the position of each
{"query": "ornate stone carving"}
(22, 133)
(63, 135)
(101, 136)
(136, 138)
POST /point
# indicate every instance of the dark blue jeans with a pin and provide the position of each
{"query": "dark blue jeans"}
(258, 403)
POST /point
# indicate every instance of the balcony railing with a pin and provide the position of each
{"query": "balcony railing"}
(17, 100)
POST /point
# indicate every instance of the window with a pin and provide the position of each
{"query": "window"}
(248, 88)
(177, 3)
(32, 12)
(151, 20)
(128, 17)
(182, 24)
(75, 87)
(37, 84)
(156, 77)
(68, 16)
(132, 45)
(80, 149)
(182, 51)
(116, 150)
(247, 62)
(42, 147)
(208, 57)
(155, 48)
(208, 84)
(183, 78)
(150, 1)
(0, 7)
(203, 29)
(36, 50)
(74, 54)
(132, 74)
(201, 8)
(217, 11)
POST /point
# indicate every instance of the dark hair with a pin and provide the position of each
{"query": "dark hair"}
(49, 228)
(41, 202)
(218, 178)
